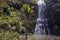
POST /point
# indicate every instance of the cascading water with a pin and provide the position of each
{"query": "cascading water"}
(42, 21)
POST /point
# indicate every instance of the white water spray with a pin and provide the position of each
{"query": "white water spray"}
(42, 24)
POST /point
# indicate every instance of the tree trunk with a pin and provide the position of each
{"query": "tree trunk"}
(26, 36)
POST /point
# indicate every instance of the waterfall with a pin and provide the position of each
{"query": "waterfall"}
(42, 21)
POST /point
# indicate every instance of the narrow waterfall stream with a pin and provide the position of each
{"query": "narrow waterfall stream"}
(42, 21)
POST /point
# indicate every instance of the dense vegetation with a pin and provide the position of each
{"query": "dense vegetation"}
(19, 16)
(16, 17)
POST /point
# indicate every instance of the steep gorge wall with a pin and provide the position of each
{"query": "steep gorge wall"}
(53, 14)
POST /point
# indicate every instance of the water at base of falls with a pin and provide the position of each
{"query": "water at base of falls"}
(42, 24)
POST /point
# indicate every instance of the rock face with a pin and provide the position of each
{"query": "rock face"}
(53, 14)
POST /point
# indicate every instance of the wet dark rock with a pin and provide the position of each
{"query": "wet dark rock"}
(53, 14)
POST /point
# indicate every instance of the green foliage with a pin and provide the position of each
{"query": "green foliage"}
(8, 35)
(27, 17)
(27, 9)
(17, 20)
(3, 3)
(22, 28)
(31, 37)
(13, 21)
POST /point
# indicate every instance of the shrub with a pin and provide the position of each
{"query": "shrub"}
(8, 35)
